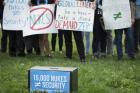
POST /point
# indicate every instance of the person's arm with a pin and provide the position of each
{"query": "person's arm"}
(133, 7)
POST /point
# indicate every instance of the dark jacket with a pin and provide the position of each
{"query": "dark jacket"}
(34, 2)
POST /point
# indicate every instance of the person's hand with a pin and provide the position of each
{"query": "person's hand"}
(94, 5)
(57, 1)
(133, 21)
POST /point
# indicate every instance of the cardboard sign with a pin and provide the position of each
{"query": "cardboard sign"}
(15, 14)
(52, 79)
(116, 14)
(41, 20)
(75, 15)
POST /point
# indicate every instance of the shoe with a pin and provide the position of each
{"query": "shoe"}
(119, 57)
(22, 54)
(83, 60)
(52, 52)
(29, 51)
(132, 57)
(12, 54)
(66, 57)
(103, 55)
(49, 56)
(3, 51)
(61, 52)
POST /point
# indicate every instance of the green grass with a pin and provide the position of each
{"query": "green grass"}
(96, 76)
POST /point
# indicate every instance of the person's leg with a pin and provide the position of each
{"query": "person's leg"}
(129, 42)
(136, 35)
(68, 43)
(80, 45)
(87, 34)
(20, 44)
(12, 43)
(109, 43)
(103, 35)
(28, 44)
(118, 38)
(60, 36)
(41, 45)
(35, 43)
(47, 45)
(4, 41)
(96, 36)
(53, 41)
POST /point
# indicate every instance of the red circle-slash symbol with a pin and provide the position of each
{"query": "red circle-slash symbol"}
(39, 18)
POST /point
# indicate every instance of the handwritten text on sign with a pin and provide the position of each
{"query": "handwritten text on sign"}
(116, 14)
(75, 15)
(41, 20)
(15, 14)
(50, 81)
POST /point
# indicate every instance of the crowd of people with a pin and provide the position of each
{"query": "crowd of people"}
(102, 41)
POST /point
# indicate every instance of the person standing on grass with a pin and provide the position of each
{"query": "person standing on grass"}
(4, 33)
(137, 27)
(32, 41)
(43, 38)
(99, 34)
(129, 43)
(60, 35)
(16, 42)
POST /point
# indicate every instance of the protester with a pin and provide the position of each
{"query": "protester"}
(32, 41)
(43, 38)
(137, 27)
(4, 33)
(99, 34)
(60, 41)
(129, 43)
(86, 35)
(109, 41)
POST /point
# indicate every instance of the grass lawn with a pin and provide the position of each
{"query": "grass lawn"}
(105, 75)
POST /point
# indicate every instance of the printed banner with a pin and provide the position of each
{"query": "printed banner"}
(75, 15)
(15, 14)
(116, 14)
(41, 20)
(49, 81)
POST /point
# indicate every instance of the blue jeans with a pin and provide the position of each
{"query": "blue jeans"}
(129, 42)
(87, 36)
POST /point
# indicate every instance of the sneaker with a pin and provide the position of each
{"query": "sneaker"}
(83, 61)
(132, 57)
(49, 56)
(60, 52)
(52, 52)
(66, 57)
(21, 54)
(102, 55)
(119, 57)
(12, 54)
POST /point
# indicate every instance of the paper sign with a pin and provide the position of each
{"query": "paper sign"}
(116, 14)
(15, 14)
(41, 20)
(75, 15)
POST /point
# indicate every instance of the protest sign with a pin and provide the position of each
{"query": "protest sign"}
(116, 14)
(75, 15)
(53, 79)
(41, 20)
(15, 14)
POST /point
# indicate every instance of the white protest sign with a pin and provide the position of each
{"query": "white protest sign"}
(15, 14)
(75, 15)
(116, 14)
(41, 20)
